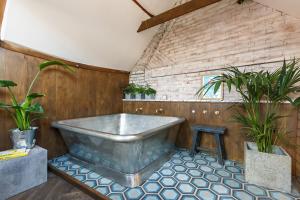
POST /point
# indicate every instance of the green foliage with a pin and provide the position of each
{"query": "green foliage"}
(130, 89)
(149, 90)
(134, 89)
(27, 111)
(272, 88)
(140, 89)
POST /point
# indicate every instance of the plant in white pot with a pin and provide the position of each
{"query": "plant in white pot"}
(27, 111)
(149, 92)
(140, 92)
(129, 91)
(266, 163)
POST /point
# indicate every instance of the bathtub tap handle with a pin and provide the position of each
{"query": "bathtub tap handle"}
(139, 109)
(217, 112)
(204, 112)
(160, 110)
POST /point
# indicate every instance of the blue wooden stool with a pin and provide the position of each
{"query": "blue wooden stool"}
(218, 132)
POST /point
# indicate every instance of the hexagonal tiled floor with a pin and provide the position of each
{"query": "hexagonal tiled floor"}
(183, 177)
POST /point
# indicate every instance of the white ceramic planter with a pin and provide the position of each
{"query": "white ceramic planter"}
(271, 170)
(151, 96)
(138, 96)
(127, 96)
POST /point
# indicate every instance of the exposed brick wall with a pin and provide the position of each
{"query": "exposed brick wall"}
(212, 38)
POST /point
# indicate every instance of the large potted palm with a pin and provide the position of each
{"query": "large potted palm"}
(23, 113)
(262, 93)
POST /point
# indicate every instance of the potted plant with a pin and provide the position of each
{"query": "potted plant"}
(140, 92)
(266, 163)
(149, 92)
(25, 112)
(130, 91)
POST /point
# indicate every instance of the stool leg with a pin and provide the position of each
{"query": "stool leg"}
(194, 143)
(219, 149)
(223, 148)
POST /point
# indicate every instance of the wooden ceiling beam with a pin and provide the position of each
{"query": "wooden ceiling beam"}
(2, 8)
(139, 5)
(174, 13)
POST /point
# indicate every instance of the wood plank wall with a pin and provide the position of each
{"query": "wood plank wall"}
(234, 138)
(87, 92)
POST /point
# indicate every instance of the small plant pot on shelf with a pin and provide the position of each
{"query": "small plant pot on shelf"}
(132, 96)
(150, 96)
(23, 139)
(127, 96)
(138, 96)
(271, 170)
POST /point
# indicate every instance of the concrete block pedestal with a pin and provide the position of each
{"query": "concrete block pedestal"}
(20, 174)
(271, 170)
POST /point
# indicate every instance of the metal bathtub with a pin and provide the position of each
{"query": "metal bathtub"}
(127, 148)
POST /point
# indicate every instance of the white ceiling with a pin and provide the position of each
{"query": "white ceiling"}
(96, 32)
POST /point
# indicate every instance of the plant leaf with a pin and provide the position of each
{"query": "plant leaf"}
(7, 83)
(46, 64)
(297, 101)
(4, 105)
(35, 108)
(35, 95)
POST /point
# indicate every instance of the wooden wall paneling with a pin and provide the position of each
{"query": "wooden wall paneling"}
(234, 137)
(117, 91)
(297, 148)
(86, 86)
(297, 154)
(103, 101)
(3, 132)
(13, 66)
(65, 103)
(289, 124)
(44, 85)
(184, 138)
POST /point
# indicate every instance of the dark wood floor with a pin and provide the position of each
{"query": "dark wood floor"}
(54, 189)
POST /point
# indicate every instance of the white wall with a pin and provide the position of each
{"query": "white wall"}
(95, 32)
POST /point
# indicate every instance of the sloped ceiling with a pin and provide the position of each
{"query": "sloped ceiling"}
(96, 32)
(290, 7)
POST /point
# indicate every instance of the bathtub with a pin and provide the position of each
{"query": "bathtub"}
(126, 148)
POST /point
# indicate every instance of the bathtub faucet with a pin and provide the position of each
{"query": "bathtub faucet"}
(137, 110)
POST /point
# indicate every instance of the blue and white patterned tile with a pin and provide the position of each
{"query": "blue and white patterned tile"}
(233, 183)
(179, 168)
(255, 190)
(242, 195)
(152, 187)
(169, 194)
(220, 189)
(151, 197)
(186, 188)
(183, 177)
(168, 182)
(206, 195)
(134, 193)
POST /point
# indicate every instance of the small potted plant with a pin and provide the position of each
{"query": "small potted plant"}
(149, 92)
(130, 91)
(23, 137)
(140, 92)
(266, 163)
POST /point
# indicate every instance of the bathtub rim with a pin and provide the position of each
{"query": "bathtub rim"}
(113, 137)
